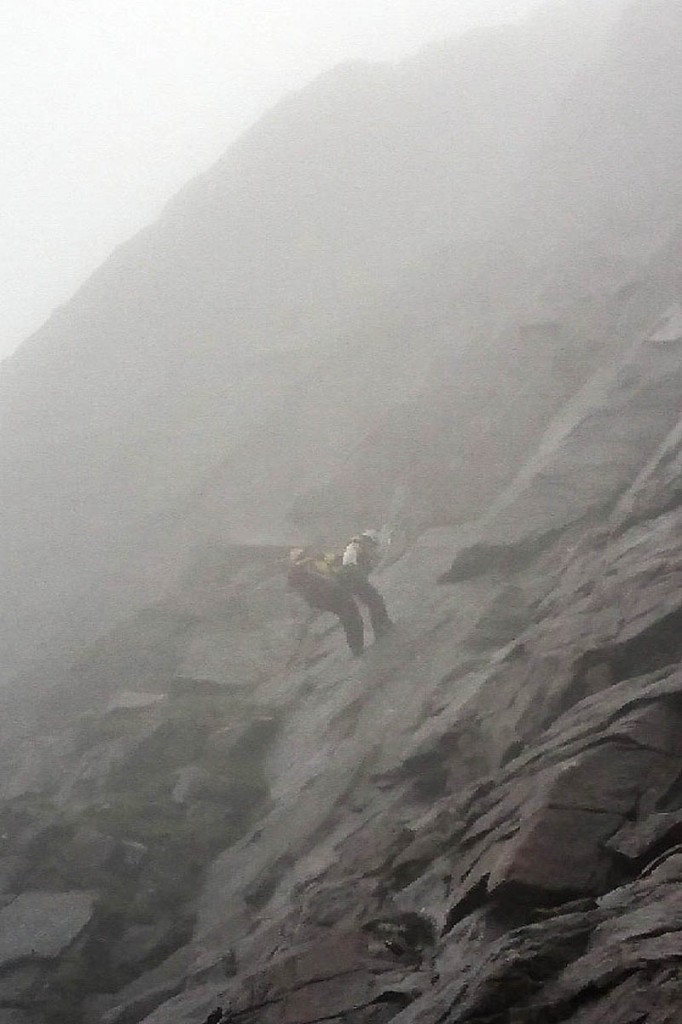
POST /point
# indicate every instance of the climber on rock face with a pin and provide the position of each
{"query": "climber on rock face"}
(360, 558)
(316, 579)
(332, 583)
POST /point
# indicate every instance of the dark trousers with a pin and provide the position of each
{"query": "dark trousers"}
(342, 605)
(355, 583)
(327, 594)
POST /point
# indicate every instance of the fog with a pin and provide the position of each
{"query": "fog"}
(108, 108)
(375, 246)
(341, 522)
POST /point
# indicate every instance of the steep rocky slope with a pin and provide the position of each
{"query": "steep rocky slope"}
(381, 245)
(204, 801)
(479, 821)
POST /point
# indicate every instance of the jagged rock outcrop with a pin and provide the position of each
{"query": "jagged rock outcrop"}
(205, 802)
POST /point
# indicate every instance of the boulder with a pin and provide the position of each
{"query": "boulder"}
(556, 854)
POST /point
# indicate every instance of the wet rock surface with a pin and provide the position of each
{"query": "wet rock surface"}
(478, 821)
(508, 847)
(461, 826)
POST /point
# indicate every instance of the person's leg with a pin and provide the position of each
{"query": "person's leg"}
(351, 620)
(361, 588)
(378, 615)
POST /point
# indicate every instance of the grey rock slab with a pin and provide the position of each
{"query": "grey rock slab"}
(666, 868)
(611, 777)
(607, 709)
(139, 942)
(93, 770)
(503, 973)
(557, 851)
(601, 966)
(637, 838)
(584, 777)
(592, 434)
(186, 1008)
(643, 910)
(641, 997)
(238, 657)
(333, 976)
(507, 617)
(287, 829)
(640, 927)
(657, 725)
(145, 993)
(42, 924)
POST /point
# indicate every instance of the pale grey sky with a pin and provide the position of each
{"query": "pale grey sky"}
(109, 106)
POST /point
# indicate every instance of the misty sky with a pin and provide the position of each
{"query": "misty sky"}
(109, 106)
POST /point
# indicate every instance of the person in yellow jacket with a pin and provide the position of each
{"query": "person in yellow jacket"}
(316, 579)
(334, 583)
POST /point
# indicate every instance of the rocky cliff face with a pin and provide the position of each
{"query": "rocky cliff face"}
(479, 821)
(205, 805)
(395, 260)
